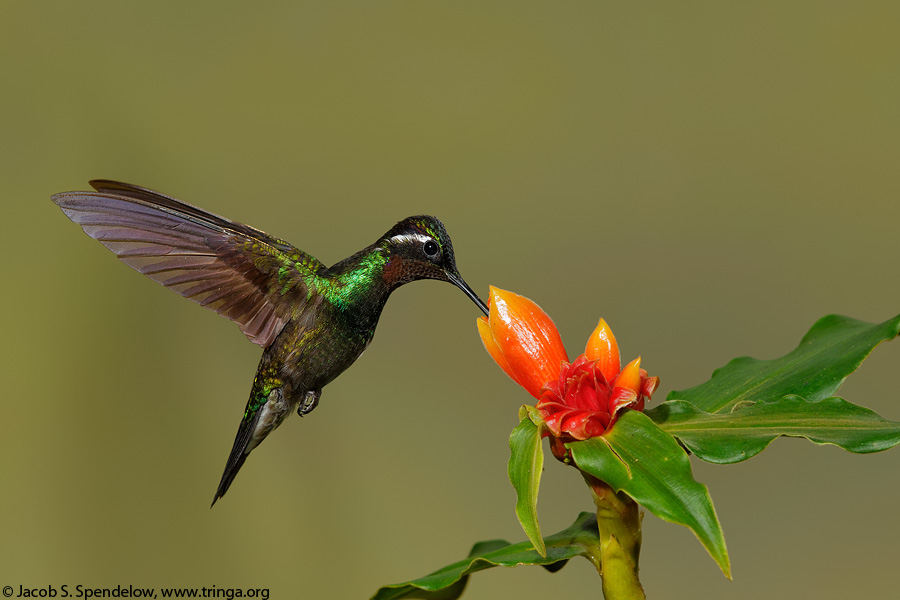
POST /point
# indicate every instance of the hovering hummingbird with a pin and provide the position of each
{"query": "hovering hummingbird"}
(313, 321)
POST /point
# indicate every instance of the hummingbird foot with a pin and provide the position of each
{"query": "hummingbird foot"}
(310, 401)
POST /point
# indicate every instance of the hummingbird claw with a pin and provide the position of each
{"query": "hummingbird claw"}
(309, 402)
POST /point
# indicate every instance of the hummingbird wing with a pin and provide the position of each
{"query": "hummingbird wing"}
(256, 280)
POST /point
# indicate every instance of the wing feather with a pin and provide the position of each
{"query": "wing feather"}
(256, 280)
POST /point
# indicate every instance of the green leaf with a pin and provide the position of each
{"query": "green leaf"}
(830, 351)
(448, 583)
(645, 462)
(734, 436)
(526, 461)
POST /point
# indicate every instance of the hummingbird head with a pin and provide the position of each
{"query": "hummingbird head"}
(419, 248)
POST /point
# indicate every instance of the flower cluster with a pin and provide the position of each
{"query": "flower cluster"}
(576, 400)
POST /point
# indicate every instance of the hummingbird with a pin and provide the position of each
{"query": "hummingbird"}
(313, 321)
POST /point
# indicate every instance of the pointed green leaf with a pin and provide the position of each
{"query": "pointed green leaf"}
(448, 583)
(645, 462)
(526, 461)
(830, 351)
(734, 436)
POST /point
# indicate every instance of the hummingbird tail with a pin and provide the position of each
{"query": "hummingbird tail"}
(239, 453)
(266, 409)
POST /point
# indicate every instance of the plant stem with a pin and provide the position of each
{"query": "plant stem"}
(619, 521)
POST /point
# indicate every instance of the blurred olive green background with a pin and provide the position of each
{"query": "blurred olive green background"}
(709, 177)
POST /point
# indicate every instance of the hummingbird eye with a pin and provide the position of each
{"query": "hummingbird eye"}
(430, 248)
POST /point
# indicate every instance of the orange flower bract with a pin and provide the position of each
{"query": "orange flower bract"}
(522, 339)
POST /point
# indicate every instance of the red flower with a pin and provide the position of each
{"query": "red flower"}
(577, 400)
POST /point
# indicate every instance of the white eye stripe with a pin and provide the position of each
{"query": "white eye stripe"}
(412, 237)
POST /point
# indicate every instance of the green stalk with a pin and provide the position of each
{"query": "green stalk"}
(616, 558)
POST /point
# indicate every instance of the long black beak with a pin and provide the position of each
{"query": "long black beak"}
(458, 281)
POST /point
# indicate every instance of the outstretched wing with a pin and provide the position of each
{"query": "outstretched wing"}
(244, 274)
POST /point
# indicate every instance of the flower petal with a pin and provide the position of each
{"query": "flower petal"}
(552, 419)
(583, 424)
(602, 347)
(622, 398)
(649, 385)
(585, 386)
(626, 391)
(487, 338)
(527, 338)
(630, 377)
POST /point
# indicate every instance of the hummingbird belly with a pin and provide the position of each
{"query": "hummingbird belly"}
(318, 355)
(272, 413)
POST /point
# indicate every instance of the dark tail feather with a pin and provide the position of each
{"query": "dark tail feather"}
(237, 457)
